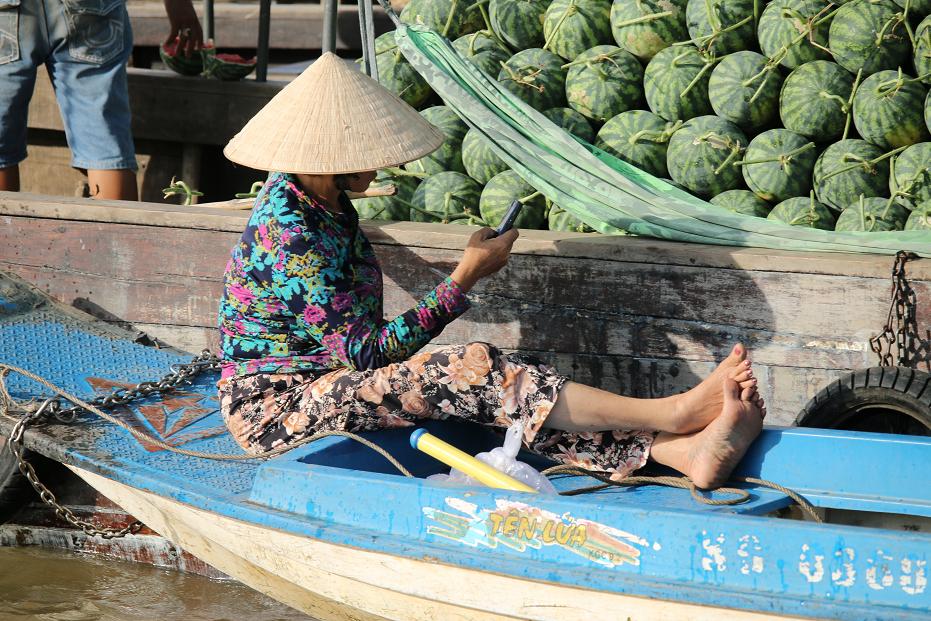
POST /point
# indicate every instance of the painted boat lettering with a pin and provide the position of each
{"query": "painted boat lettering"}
(519, 526)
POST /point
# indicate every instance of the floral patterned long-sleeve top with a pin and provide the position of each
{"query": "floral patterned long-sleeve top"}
(303, 292)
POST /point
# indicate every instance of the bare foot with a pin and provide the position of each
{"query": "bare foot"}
(695, 409)
(715, 451)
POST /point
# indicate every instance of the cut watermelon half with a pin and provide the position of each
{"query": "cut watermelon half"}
(224, 66)
(178, 62)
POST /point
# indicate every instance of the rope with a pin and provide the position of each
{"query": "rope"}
(8, 403)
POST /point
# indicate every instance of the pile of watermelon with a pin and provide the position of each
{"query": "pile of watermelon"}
(811, 112)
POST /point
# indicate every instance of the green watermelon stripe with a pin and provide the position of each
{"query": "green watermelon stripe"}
(865, 164)
(810, 25)
(642, 19)
(649, 135)
(709, 65)
(710, 39)
(446, 216)
(785, 159)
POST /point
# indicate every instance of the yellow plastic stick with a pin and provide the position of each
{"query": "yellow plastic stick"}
(454, 458)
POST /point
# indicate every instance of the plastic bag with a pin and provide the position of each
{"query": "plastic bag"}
(503, 458)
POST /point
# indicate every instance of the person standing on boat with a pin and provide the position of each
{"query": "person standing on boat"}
(85, 45)
(306, 347)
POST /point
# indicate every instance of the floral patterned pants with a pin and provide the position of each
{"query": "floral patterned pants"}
(473, 382)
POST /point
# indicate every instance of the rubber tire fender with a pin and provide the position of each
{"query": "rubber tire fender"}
(877, 399)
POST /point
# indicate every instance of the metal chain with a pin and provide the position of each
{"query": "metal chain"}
(179, 374)
(901, 329)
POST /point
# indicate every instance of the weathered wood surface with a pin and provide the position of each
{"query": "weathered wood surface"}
(642, 317)
(293, 26)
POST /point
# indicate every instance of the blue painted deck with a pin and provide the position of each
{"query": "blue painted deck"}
(648, 541)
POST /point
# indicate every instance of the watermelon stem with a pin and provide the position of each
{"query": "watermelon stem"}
(599, 58)
(721, 142)
(569, 10)
(527, 79)
(709, 63)
(853, 91)
(449, 19)
(704, 42)
(893, 21)
(868, 166)
(655, 136)
(529, 197)
(403, 172)
(784, 159)
(642, 19)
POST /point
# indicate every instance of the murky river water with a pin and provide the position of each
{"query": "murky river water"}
(44, 585)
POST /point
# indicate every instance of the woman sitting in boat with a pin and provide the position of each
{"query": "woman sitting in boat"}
(306, 347)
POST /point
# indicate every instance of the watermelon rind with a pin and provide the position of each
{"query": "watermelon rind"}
(506, 187)
(702, 155)
(815, 100)
(571, 121)
(572, 26)
(922, 55)
(397, 75)
(920, 218)
(604, 81)
(559, 219)
(644, 27)
(536, 76)
(910, 175)
(395, 207)
(435, 15)
(483, 50)
(479, 158)
(449, 155)
(872, 215)
(640, 138)
(447, 197)
(853, 36)
(744, 89)
(778, 165)
(743, 202)
(713, 25)
(675, 83)
(787, 28)
(803, 211)
(519, 23)
(179, 63)
(219, 67)
(888, 110)
(847, 169)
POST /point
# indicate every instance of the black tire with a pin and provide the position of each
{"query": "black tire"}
(878, 399)
(14, 488)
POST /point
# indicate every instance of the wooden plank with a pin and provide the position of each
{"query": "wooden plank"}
(293, 26)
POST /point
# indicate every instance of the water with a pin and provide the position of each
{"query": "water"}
(52, 585)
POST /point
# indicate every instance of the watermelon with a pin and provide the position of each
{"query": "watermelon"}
(888, 110)
(603, 82)
(675, 83)
(778, 165)
(226, 67)
(537, 77)
(721, 26)
(920, 219)
(702, 155)
(814, 101)
(484, 51)
(519, 23)
(449, 155)
(910, 175)
(446, 197)
(506, 187)
(644, 27)
(854, 36)
(742, 201)
(801, 211)
(572, 26)
(785, 31)
(397, 75)
(572, 122)
(872, 215)
(922, 7)
(848, 169)
(744, 89)
(639, 138)
(923, 50)
(179, 63)
(559, 219)
(395, 207)
(479, 159)
(450, 18)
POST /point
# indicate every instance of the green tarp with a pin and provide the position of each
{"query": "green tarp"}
(604, 192)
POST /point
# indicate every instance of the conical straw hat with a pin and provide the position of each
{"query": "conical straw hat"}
(333, 119)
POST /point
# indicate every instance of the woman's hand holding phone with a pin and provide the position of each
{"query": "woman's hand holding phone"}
(486, 253)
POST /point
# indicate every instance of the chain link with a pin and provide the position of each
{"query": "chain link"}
(901, 330)
(179, 374)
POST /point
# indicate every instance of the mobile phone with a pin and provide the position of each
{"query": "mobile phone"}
(508, 220)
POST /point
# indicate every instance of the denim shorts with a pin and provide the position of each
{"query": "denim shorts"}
(84, 45)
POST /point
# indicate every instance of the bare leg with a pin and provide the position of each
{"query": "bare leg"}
(583, 408)
(113, 184)
(709, 456)
(9, 179)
